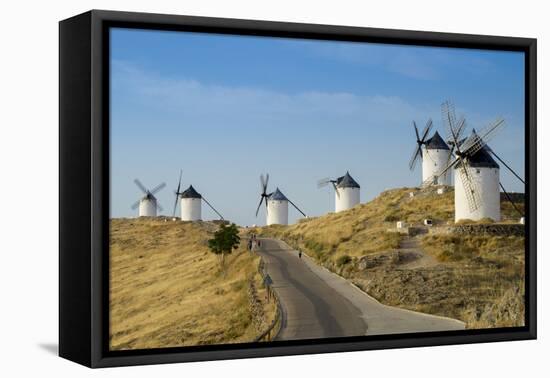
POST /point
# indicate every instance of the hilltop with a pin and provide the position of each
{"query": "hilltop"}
(475, 277)
(166, 287)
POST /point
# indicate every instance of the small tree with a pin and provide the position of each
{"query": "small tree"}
(225, 240)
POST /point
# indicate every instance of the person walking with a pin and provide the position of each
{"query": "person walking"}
(300, 254)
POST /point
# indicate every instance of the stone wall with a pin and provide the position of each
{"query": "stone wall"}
(481, 229)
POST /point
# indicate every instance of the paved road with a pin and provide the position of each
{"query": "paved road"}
(318, 304)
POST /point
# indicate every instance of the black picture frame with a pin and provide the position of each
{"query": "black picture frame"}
(84, 186)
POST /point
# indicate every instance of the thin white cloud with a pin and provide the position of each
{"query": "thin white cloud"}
(244, 105)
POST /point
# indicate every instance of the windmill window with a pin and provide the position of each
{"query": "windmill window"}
(478, 171)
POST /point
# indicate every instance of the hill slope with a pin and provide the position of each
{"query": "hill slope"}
(166, 288)
(478, 279)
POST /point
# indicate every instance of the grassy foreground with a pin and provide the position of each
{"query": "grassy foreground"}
(478, 279)
(166, 287)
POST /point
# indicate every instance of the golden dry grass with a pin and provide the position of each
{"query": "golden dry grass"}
(166, 288)
(478, 279)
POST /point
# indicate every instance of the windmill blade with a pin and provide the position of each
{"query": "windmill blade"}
(432, 179)
(159, 206)
(449, 118)
(296, 207)
(158, 188)
(260, 204)
(451, 156)
(461, 127)
(336, 189)
(212, 207)
(175, 206)
(470, 186)
(511, 201)
(506, 165)
(428, 182)
(141, 186)
(448, 115)
(477, 141)
(264, 182)
(323, 182)
(414, 158)
(177, 195)
(179, 182)
(416, 131)
(135, 205)
(426, 130)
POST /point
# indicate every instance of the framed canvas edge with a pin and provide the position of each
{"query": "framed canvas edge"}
(101, 20)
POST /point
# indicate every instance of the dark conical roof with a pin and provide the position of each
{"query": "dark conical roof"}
(346, 181)
(150, 197)
(277, 195)
(482, 158)
(190, 193)
(436, 143)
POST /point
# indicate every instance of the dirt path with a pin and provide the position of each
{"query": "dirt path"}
(410, 250)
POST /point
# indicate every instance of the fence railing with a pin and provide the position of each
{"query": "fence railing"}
(275, 327)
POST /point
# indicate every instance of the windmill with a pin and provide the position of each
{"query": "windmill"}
(434, 153)
(346, 191)
(191, 203)
(477, 174)
(276, 204)
(148, 204)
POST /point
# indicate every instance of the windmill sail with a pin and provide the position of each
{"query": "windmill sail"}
(478, 140)
(470, 187)
(149, 194)
(420, 140)
(177, 193)
(264, 181)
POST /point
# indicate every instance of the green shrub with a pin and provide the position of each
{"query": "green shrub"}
(343, 260)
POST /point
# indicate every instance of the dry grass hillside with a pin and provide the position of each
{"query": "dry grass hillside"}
(166, 287)
(475, 278)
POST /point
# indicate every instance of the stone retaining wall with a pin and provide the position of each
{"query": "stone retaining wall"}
(481, 229)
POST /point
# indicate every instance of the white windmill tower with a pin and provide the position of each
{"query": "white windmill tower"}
(191, 203)
(477, 174)
(435, 155)
(148, 204)
(346, 191)
(276, 204)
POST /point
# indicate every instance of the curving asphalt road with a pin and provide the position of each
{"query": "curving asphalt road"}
(319, 304)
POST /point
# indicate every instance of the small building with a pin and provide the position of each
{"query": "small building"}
(346, 193)
(485, 174)
(435, 158)
(277, 208)
(428, 222)
(401, 224)
(148, 206)
(191, 201)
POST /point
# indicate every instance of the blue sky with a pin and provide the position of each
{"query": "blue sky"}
(227, 108)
